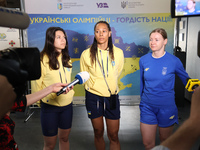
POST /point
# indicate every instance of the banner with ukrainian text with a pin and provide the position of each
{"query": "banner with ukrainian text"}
(130, 32)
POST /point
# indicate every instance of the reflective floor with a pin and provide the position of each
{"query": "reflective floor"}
(28, 134)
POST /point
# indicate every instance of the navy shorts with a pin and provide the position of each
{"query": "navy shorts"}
(54, 117)
(164, 116)
(99, 106)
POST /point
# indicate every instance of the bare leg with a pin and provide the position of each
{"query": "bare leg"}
(148, 135)
(112, 131)
(98, 127)
(63, 135)
(164, 133)
(49, 142)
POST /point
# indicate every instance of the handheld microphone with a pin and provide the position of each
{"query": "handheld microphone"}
(13, 19)
(192, 84)
(80, 78)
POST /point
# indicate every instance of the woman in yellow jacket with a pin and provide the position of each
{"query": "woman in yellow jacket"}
(104, 62)
(56, 111)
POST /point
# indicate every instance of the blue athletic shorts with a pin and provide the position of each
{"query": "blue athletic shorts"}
(54, 117)
(99, 106)
(164, 116)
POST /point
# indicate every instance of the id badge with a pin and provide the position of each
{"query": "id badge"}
(113, 101)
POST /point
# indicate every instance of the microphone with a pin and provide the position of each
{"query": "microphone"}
(13, 19)
(80, 78)
(192, 84)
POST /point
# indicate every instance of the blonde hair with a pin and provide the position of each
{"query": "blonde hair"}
(161, 31)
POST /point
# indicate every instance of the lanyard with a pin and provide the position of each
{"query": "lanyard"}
(102, 69)
(102, 64)
(64, 73)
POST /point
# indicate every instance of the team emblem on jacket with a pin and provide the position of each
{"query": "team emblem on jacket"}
(113, 63)
(164, 71)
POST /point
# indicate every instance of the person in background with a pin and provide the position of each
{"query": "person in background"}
(157, 78)
(56, 111)
(191, 4)
(104, 62)
(7, 125)
(7, 96)
(186, 135)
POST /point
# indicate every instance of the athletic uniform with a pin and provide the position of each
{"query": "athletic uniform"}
(97, 93)
(157, 78)
(191, 13)
(56, 111)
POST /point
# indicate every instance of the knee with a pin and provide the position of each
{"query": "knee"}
(98, 133)
(148, 145)
(64, 139)
(113, 136)
(48, 146)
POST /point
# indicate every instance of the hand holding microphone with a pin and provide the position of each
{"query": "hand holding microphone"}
(192, 84)
(80, 78)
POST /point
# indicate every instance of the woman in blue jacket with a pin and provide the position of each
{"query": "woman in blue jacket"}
(157, 106)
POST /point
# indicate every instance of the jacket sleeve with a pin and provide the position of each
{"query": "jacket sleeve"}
(36, 85)
(121, 63)
(180, 71)
(83, 66)
(141, 78)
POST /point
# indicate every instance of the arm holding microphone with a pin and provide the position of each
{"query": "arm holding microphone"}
(26, 100)
(80, 78)
(34, 97)
(60, 88)
(192, 84)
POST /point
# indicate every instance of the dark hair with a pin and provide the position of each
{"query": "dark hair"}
(93, 49)
(193, 1)
(161, 31)
(51, 52)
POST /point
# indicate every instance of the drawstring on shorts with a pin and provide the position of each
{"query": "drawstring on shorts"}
(104, 105)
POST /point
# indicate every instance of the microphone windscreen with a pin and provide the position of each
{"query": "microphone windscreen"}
(13, 19)
(82, 76)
